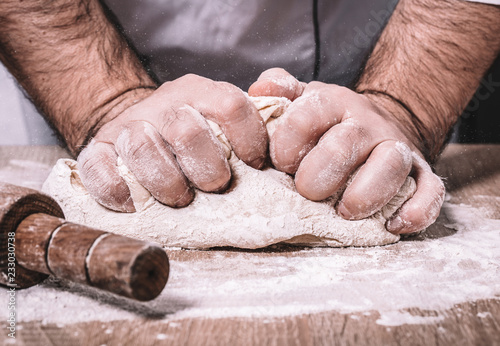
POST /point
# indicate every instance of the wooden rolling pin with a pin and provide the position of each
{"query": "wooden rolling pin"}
(36, 241)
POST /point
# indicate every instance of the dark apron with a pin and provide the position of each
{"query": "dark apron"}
(235, 40)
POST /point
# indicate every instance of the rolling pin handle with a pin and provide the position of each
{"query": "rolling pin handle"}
(125, 266)
(34, 234)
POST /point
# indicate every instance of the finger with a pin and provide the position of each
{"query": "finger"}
(423, 208)
(97, 166)
(306, 120)
(328, 165)
(197, 150)
(377, 181)
(277, 82)
(147, 156)
(228, 106)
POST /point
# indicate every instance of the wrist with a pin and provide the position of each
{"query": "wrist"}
(106, 112)
(434, 70)
(406, 121)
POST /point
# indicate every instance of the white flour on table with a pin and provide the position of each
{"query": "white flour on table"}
(432, 274)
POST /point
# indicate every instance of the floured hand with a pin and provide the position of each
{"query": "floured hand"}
(168, 145)
(329, 132)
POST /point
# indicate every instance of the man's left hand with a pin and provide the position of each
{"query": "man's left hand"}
(330, 132)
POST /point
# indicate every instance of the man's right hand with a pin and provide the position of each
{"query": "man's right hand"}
(167, 143)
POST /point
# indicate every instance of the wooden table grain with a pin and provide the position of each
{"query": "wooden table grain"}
(472, 177)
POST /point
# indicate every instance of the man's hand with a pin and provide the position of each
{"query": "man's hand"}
(91, 86)
(422, 72)
(167, 143)
(329, 132)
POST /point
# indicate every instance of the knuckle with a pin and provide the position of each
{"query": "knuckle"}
(397, 159)
(395, 166)
(226, 86)
(139, 149)
(93, 155)
(301, 121)
(135, 141)
(185, 131)
(319, 87)
(273, 72)
(339, 91)
(279, 70)
(403, 151)
(338, 151)
(233, 105)
(389, 146)
(356, 133)
(189, 78)
(127, 140)
(184, 136)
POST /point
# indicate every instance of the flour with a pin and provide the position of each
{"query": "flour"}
(433, 274)
(259, 209)
(25, 173)
(397, 318)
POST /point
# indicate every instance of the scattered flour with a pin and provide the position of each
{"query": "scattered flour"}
(25, 173)
(397, 318)
(431, 274)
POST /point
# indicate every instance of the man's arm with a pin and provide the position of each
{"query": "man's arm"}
(72, 62)
(424, 69)
(428, 63)
(87, 81)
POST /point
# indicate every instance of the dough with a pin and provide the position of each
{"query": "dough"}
(259, 209)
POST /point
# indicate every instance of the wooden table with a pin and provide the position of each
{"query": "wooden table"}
(472, 175)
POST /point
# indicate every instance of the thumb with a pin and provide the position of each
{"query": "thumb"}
(277, 82)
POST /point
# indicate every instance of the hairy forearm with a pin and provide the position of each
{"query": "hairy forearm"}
(428, 63)
(72, 61)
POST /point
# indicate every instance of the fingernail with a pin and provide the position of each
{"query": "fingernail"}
(344, 212)
(123, 207)
(185, 199)
(129, 206)
(224, 187)
(395, 225)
